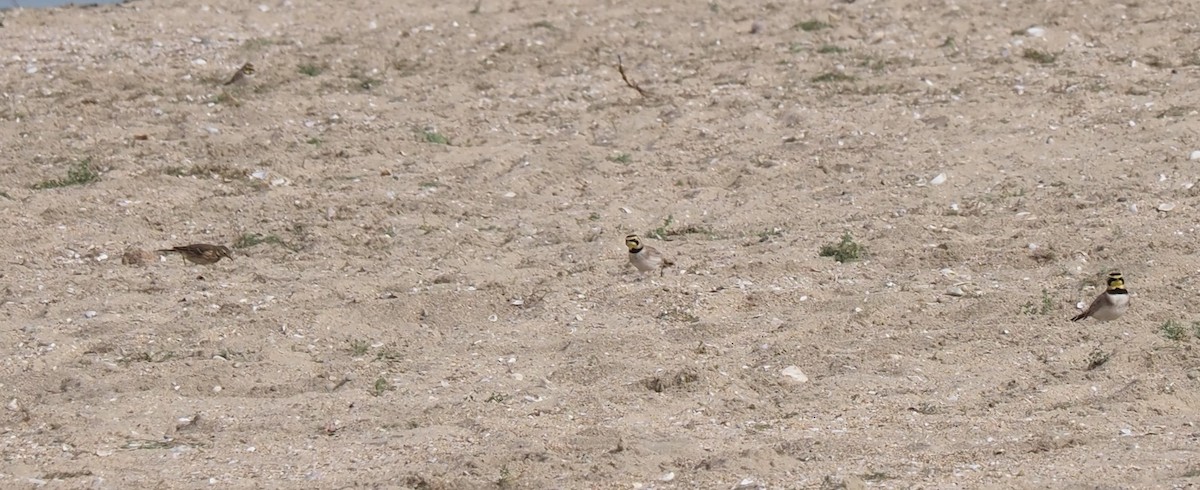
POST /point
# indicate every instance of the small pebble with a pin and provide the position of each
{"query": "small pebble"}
(955, 291)
(90, 314)
(1035, 31)
(1195, 155)
(1166, 207)
(939, 180)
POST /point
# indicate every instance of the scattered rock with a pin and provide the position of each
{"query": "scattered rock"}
(663, 381)
(939, 180)
(137, 256)
(794, 374)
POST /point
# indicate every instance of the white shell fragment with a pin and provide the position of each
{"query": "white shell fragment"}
(1166, 206)
(939, 180)
(794, 374)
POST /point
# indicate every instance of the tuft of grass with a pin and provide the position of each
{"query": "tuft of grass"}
(1046, 306)
(661, 232)
(1097, 358)
(1173, 330)
(833, 76)
(359, 347)
(811, 25)
(1039, 56)
(844, 251)
(594, 216)
(316, 142)
(5, 195)
(507, 479)
(830, 49)
(311, 69)
(389, 354)
(381, 386)
(436, 138)
(252, 239)
(496, 398)
(79, 174)
(543, 24)
(622, 158)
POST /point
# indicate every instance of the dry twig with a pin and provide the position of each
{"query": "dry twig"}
(621, 70)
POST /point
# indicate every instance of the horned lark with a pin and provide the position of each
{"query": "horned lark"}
(1111, 304)
(645, 258)
(243, 75)
(201, 253)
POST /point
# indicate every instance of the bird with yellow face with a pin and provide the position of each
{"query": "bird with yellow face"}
(644, 257)
(1111, 304)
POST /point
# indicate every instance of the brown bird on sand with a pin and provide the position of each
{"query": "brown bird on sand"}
(200, 253)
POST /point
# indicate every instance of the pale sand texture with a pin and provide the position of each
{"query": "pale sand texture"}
(463, 315)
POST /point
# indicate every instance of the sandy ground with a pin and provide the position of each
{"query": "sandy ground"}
(429, 286)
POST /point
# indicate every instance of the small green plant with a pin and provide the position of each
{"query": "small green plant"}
(389, 355)
(78, 174)
(544, 24)
(5, 195)
(359, 347)
(1039, 56)
(311, 69)
(594, 217)
(436, 138)
(1173, 330)
(1097, 358)
(507, 478)
(844, 251)
(830, 49)
(622, 158)
(496, 398)
(1046, 306)
(661, 232)
(381, 386)
(833, 76)
(316, 142)
(251, 239)
(811, 25)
